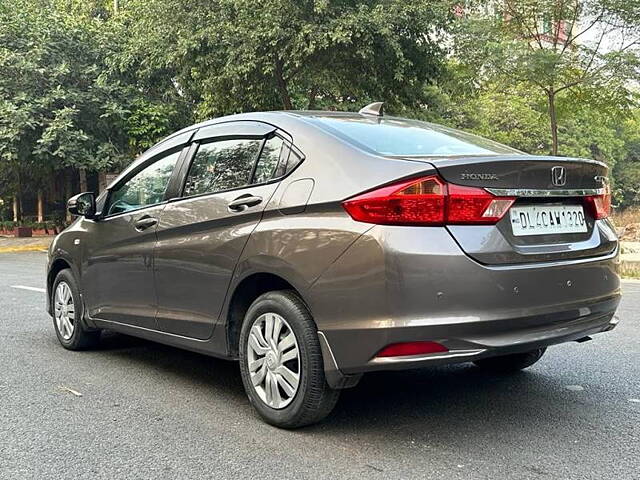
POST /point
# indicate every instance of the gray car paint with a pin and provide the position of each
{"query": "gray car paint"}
(469, 287)
(199, 244)
(401, 283)
(117, 271)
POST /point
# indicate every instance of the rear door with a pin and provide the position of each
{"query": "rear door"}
(229, 177)
(552, 217)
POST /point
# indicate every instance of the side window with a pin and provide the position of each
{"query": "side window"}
(145, 188)
(221, 165)
(268, 161)
(288, 161)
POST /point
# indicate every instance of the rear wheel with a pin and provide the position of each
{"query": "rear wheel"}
(67, 314)
(281, 362)
(510, 363)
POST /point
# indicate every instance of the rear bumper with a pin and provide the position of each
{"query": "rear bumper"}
(468, 342)
(400, 284)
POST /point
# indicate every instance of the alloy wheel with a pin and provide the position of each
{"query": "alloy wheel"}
(273, 359)
(65, 311)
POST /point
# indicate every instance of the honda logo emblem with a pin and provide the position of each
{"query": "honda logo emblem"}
(558, 176)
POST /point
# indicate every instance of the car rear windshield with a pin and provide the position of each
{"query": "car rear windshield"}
(402, 137)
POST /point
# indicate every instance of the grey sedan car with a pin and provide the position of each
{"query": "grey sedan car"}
(314, 247)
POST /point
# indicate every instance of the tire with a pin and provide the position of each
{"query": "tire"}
(68, 309)
(312, 399)
(510, 363)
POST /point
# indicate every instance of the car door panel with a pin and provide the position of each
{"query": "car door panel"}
(228, 178)
(119, 271)
(119, 258)
(199, 243)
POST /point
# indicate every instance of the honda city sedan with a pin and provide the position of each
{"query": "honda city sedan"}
(313, 247)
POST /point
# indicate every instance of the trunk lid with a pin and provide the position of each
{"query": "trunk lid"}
(521, 172)
(540, 184)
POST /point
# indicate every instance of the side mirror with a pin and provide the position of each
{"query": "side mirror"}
(83, 204)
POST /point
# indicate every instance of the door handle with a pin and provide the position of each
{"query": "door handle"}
(145, 222)
(240, 204)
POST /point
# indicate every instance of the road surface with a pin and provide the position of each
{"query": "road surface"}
(151, 411)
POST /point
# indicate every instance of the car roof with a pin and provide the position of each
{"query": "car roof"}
(307, 117)
(290, 120)
(267, 115)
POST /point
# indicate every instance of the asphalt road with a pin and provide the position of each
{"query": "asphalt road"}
(150, 411)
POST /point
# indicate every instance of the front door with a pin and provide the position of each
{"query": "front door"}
(202, 235)
(118, 275)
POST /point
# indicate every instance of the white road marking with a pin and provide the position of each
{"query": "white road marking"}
(575, 388)
(33, 289)
(630, 280)
(634, 400)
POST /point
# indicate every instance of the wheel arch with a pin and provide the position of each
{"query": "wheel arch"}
(56, 267)
(244, 294)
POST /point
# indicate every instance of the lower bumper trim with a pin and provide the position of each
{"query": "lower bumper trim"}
(450, 355)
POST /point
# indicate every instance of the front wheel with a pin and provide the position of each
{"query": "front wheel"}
(67, 314)
(281, 362)
(510, 363)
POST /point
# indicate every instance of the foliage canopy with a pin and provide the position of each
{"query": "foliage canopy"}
(85, 85)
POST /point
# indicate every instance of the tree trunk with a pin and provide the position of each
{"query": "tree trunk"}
(83, 180)
(115, 7)
(102, 181)
(17, 199)
(282, 86)
(312, 98)
(67, 191)
(551, 96)
(40, 206)
(17, 214)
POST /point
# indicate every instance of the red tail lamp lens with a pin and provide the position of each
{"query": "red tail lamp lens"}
(411, 348)
(428, 201)
(475, 205)
(600, 205)
(414, 202)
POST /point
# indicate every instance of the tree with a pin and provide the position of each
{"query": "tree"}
(52, 100)
(559, 48)
(627, 171)
(239, 55)
(62, 106)
(519, 119)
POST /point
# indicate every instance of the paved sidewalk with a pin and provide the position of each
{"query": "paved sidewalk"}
(28, 244)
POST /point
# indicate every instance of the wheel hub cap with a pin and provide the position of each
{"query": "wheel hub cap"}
(64, 310)
(273, 360)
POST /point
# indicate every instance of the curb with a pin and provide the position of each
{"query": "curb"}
(25, 248)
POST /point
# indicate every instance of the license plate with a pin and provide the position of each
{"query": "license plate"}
(547, 219)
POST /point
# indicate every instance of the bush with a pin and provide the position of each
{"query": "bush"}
(51, 226)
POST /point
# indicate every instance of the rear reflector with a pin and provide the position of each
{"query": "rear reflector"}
(428, 201)
(411, 348)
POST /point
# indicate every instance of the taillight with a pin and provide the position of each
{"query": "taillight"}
(475, 205)
(428, 201)
(413, 202)
(411, 348)
(600, 204)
